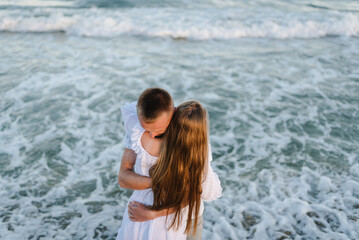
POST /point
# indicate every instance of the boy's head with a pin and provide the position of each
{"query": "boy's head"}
(155, 109)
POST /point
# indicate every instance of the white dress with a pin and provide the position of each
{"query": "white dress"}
(156, 229)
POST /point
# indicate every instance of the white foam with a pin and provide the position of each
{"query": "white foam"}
(36, 3)
(179, 24)
(257, 181)
(355, 170)
(325, 185)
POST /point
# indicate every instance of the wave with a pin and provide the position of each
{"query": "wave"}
(184, 24)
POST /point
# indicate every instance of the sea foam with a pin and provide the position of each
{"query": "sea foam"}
(181, 24)
(282, 115)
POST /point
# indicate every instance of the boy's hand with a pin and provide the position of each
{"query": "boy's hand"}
(139, 212)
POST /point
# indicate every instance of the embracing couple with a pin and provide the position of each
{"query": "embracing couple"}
(166, 161)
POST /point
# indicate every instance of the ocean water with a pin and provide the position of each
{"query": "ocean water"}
(280, 80)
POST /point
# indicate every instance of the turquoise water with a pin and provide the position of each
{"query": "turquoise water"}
(280, 80)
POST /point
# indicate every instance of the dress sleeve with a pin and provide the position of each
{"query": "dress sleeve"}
(211, 186)
(132, 125)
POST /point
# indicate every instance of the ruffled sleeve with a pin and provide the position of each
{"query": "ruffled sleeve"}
(211, 187)
(133, 128)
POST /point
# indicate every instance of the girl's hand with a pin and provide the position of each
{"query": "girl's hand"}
(139, 212)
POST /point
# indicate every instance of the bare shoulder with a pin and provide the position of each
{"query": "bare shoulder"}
(152, 146)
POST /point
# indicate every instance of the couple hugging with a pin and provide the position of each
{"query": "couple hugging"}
(166, 161)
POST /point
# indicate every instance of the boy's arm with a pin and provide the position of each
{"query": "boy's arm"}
(139, 212)
(126, 177)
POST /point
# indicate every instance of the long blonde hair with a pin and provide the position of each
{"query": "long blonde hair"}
(178, 175)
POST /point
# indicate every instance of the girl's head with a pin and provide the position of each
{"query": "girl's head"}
(178, 174)
(187, 130)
